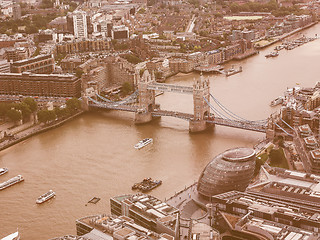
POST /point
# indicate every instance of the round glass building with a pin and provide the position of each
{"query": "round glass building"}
(230, 170)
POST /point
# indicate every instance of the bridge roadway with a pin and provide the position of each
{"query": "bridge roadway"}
(170, 88)
(252, 126)
(128, 108)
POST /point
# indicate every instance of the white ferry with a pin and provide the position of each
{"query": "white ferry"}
(13, 236)
(45, 197)
(3, 170)
(11, 181)
(143, 143)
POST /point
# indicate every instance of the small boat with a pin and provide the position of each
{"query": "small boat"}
(45, 197)
(276, 101)
(3, 171)
(146, 185)
(272, 54)
(12, 236)
(143, 143)
(11, 182)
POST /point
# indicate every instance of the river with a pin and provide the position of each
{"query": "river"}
(93, 155)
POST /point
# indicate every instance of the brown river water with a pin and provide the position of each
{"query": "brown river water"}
(93, 155)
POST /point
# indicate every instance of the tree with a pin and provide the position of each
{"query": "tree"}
(4, 107)
(126, 88)
(24, 108)
(73, 104)
(31, 103)
(275, 157)
(46, 116)
(14, 115)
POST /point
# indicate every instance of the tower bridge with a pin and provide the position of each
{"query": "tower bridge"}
(142, 103)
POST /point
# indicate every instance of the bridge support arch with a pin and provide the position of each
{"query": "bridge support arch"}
(146, 99)
(201, 109)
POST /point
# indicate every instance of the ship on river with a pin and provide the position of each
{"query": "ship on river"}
(45, 197)
(11, 182)
(146, 185)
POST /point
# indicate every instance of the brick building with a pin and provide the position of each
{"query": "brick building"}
(38, 64)
(89, 45)
(50, 85)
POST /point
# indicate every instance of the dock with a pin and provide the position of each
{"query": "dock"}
(232, 71)
(210, 69)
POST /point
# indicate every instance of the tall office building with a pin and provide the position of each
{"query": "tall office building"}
(77, 23)
(16, 10)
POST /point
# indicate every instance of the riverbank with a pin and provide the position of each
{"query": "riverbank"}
(278, 39)
(34, 130)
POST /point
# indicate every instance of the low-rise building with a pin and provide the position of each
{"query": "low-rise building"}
(39, 64)
(149, 212)
(49, 85)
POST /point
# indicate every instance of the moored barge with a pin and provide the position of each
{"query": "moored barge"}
(146, 185)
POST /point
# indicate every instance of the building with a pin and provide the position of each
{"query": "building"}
(38, 64)
(230, 170)
(17, 54)
(148, 212)
(115, 227)
(4, 66)
(181, 65)
(120, 32)
(83, 45)
(16, 10)
(251, 215)
(69, 65)
(49, 85)
(77, 24)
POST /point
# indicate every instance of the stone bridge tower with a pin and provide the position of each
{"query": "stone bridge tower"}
(201, 109)
(146, 98)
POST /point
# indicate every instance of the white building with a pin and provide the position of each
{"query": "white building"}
(80, 24)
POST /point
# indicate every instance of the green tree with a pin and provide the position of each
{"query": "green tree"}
(126, 88)
(46, 116)
(4, 107)
(31, 103)
(14, 115)
(24, 108)
(73, 104)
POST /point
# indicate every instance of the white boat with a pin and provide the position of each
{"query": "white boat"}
(11, 181)
(45, 197)
(3, 170)
(276, 101)
(12, 236)
(143, 143)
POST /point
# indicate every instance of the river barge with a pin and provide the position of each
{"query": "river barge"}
(45, 197)
(11, 182)
(146, 185)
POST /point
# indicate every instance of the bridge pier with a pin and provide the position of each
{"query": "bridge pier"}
(142, 117)
(197, 126)
(85, 103)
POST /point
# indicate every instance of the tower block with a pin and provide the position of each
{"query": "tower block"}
(146, 99)
(201, 109)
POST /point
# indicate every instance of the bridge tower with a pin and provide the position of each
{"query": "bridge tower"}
(146, 98)
(201, 109)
